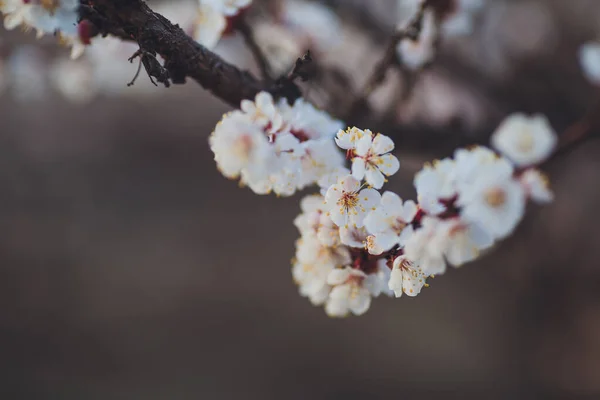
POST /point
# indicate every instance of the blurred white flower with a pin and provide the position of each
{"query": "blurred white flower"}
(414, 54)
(525, 140)
(239, 144)
(263, 112)
(495, 200)
(210, 25)
(435, 183)
(315, 26)
(536, 186)
(348, 293)
(348, 204)
(16, 13)
(389, 223)
(589, 57)
(372, 160)
(73, 80)
(427, 245)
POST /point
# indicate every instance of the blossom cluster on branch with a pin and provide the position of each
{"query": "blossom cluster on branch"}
(356, 241)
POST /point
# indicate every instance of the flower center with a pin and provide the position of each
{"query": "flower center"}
(526, 142)
(242, 147)
(348, 200)
(495, 197)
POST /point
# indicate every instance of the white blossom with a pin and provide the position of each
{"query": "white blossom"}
(389, 223)
(238, 145)
(589, 58)
(465, 241)
(435, 183)
(536, 186)
(74, 80)
(209, 25)
(525, 140)
(372, 160)
(348, 204)
(348, 139)
(427, 246)
(406, 277)
(495, 200)
(348, 293)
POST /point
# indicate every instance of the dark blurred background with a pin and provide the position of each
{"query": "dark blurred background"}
(131, 269)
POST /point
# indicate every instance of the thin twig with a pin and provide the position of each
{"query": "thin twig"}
(412, 32)
(242, 26)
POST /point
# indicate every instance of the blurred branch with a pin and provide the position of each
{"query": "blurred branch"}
(242, 26)
(184, 57)
(580, 131)
(412, 32)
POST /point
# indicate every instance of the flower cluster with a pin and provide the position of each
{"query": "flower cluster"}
(276, 147)
(357, 243)
(48, 17)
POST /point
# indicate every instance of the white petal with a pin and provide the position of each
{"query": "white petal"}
(369, 198)
(360, 303)
(363, 145)
(358, 168)
(338, 276)
(374, 177)
(382, 144)
(389, 164)
(376, 221)
(349, 184)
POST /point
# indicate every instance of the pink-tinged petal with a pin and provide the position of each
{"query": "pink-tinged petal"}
(360, 303)
(338, 276)
(358, 168)
(349, 184)
(382, 144)
(388, 164)
(391, 201)
(374, 177)
(369, 198)
(376, 221)
(364, 145)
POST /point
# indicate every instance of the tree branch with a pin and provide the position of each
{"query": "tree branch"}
(242, 26)
(184, 57)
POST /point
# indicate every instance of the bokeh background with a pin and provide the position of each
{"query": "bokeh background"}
(131, 269)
